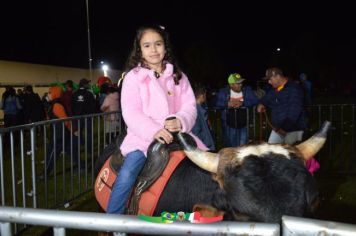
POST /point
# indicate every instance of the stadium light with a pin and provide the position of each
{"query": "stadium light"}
(105, 69)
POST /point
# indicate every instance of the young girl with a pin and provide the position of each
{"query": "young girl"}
(153, 90)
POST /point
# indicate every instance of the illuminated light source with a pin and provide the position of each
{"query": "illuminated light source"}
(105, 69)
(278, 49)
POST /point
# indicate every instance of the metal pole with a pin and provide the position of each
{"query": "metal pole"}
(23, 175)
(2, 172)
(33, 166)
(13, 175)
(5, 229)
(59, 231)
(89, 45)
(292, 226)
(129, 224)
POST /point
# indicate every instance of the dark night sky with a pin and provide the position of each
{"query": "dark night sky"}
(210, 40)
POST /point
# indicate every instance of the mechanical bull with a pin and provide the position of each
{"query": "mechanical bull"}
(248, 183)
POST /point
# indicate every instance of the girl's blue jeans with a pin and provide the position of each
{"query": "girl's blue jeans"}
(133, 164)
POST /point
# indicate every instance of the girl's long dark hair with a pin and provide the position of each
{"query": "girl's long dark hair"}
(135, 56)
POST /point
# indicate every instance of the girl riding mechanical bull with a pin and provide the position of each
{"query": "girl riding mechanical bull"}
(153, 89)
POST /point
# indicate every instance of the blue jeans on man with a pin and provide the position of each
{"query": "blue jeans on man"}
(86, 134)
(56, 147)
(235, 137)
(289, 138)
(132, 166)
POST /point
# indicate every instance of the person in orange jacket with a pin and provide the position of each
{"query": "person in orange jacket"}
(57, 111)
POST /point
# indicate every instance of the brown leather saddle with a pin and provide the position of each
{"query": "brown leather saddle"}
(157, 159)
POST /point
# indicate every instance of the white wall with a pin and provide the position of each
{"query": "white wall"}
(18, 74)
(13, 73)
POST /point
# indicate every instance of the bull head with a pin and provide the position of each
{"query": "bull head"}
(261, 182)
(210, 161)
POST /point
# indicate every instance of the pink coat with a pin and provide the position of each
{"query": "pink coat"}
(146, 104)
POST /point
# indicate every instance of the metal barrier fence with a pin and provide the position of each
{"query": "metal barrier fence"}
(24, 181)
(338, 154)
(26, 152)
(292, 226)
(121, 224)
(23, 152)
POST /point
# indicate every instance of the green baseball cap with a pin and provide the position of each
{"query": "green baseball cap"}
(235, 79)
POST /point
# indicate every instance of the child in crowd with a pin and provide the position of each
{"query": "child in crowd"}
(201, 128)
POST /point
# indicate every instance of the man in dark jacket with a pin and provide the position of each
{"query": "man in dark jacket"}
(66, 98)
(235, 99)
(83, 103)
(33, 107)
(286, 101)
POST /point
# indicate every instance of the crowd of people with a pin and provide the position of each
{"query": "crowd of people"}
(287, 99)
(64, 104)
(24, 106)
(61, 102)
(21, 107)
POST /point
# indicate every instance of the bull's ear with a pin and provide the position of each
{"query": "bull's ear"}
(207, 210)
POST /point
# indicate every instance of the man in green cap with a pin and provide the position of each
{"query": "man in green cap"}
(234, 99)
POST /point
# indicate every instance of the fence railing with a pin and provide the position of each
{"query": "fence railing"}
(27, 151)
(121, 224)
(338, 154)
(292, 226)
(24, 151)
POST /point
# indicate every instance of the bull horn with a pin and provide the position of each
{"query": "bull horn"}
(205, 160)
(312, 146)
